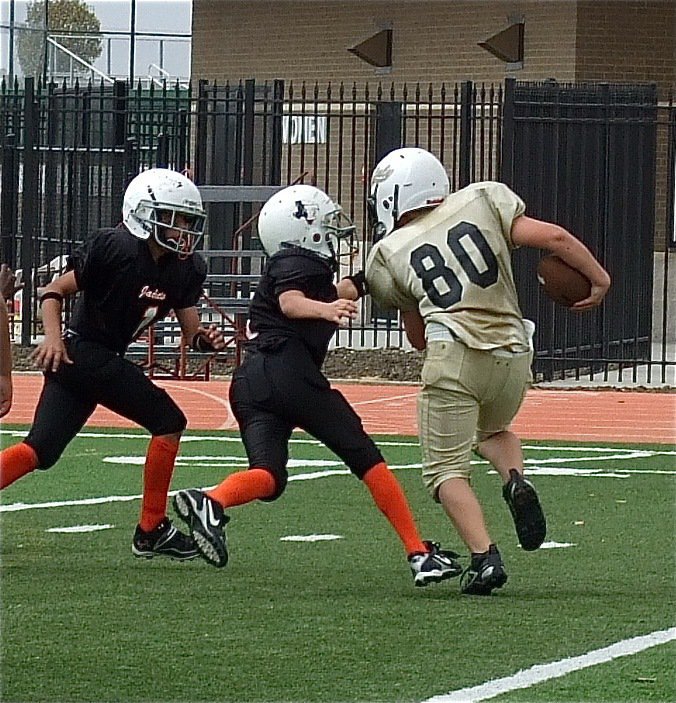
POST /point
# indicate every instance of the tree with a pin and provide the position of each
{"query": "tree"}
(63, 17)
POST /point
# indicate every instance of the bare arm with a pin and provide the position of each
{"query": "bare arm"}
(529, 232)
(5, 361)
(414, 326)
(190, 323)
(346, 289)
(51, 352)
(295, 305)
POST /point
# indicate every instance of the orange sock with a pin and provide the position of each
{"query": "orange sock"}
(15, 462)
(389, 497)
(243, 487)
(157, 473)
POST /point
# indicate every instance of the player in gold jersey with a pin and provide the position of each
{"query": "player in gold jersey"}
(444, 261)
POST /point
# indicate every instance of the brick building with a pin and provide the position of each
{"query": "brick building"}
(438, 42)
(435, 41)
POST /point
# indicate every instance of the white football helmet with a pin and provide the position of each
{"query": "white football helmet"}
(404, 180)
(304, 216)
(152, 201)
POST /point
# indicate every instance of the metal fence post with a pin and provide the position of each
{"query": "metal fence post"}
(119, 135)
(9, 197)
(29, 206)
(274, 176)
(466, 144)
(200, 165)
(507, 147)
(162, 151)
(131, 162)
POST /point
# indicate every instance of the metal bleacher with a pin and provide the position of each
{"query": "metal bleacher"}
(227, 295)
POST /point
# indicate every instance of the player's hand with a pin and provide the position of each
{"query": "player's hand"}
(341, 311)
(50, 354)
(595, 298)
(5, 395)
(213, 335)
(8, 284)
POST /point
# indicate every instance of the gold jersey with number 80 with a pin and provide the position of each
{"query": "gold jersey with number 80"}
(453, 264)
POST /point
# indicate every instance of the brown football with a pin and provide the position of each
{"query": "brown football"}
(562, 283)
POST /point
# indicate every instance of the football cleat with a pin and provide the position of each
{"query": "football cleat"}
(207, 521)
(165, 540)
(529, 520)
(485, 573)
(433, 566)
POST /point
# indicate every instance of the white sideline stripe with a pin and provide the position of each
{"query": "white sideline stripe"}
(384, 443)
(545, 672)
(326, 473)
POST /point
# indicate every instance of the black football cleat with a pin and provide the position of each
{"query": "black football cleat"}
(433, 566)
(207, 522)
(165, 540)
(529, 520)
(485, 573)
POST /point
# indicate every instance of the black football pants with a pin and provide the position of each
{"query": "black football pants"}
(97, 376)
(275, 391)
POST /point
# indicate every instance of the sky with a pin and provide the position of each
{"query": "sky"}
(165, 16)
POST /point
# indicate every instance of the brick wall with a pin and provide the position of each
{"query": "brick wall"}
(632, 41)
(627, 41)
(433, 41)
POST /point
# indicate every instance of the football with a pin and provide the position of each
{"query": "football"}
(562, 283)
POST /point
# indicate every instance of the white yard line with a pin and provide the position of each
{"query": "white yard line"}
(545, 672)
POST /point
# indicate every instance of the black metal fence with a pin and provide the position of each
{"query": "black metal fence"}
(599, 159)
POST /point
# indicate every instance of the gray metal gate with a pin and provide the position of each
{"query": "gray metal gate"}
(584, 156)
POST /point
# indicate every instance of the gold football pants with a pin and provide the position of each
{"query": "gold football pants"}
(467, 396)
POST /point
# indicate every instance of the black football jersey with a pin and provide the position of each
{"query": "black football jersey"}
(124, 290)
(292, 269)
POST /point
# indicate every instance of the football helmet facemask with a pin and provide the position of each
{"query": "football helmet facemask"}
(304, 216)
(151, 204)
(404, 180)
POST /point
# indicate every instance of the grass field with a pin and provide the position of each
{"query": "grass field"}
(337, 618)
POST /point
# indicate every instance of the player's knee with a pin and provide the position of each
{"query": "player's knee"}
(361, 462)
(281, 478)
(433, 480)
(171, 422)
(47, 456)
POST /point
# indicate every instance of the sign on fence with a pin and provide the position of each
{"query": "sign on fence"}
(304, 129)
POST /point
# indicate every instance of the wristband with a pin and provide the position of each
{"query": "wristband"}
(51, 295)
(359, 281)
(201, 344)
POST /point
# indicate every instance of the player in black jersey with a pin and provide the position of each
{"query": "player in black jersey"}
(128, 277)
(295, 311)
